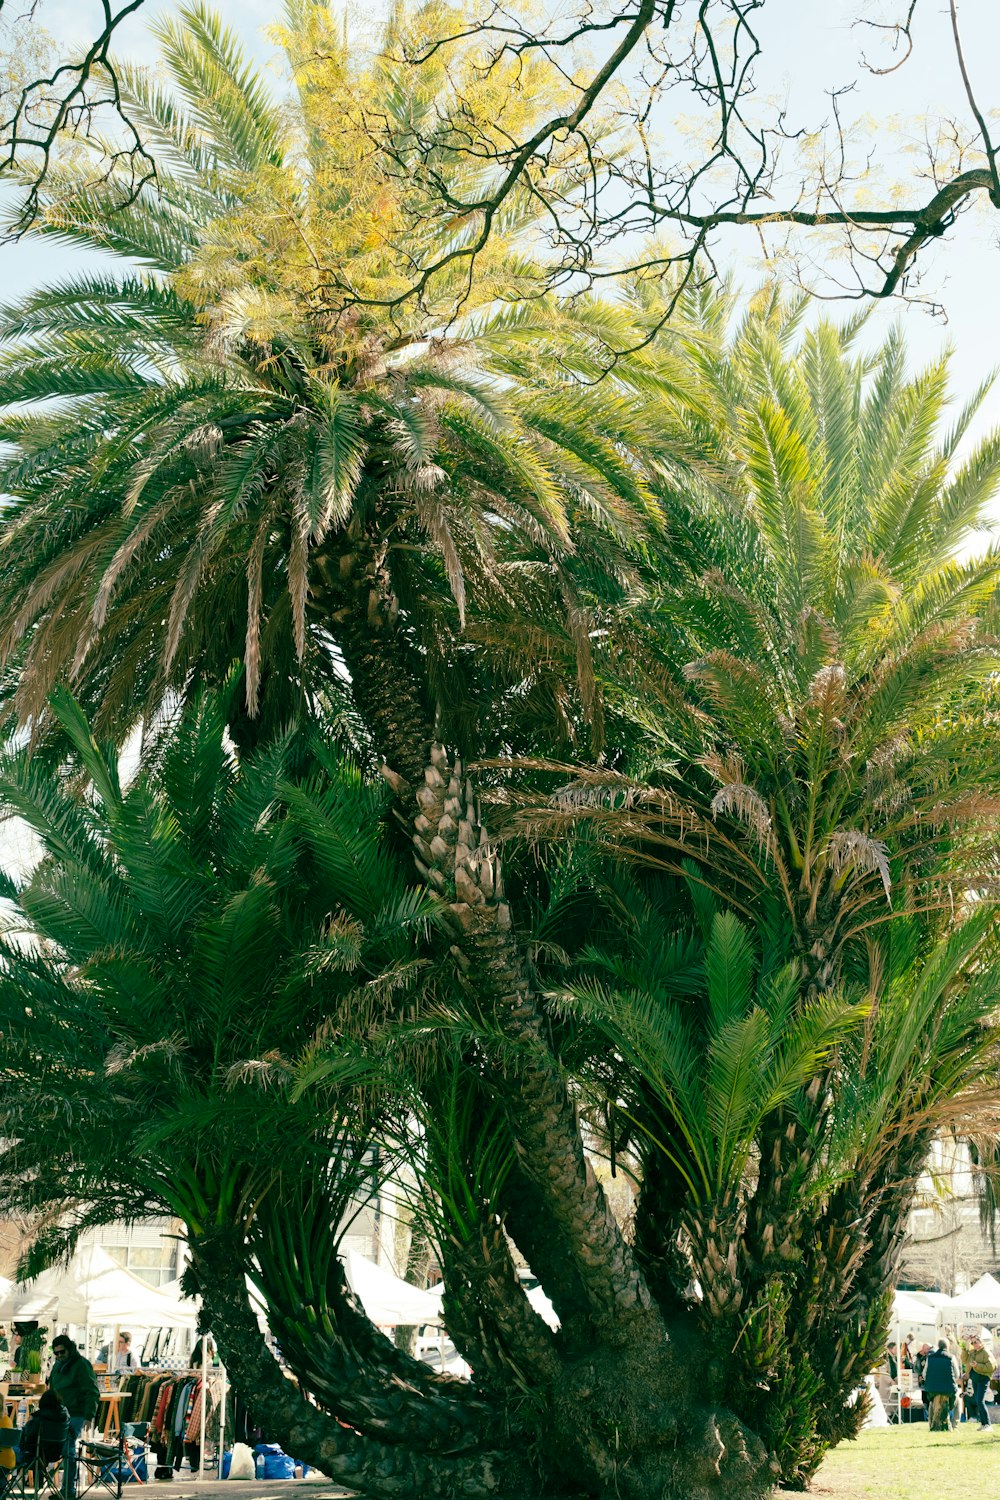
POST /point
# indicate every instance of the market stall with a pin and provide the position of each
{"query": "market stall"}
(979, 1307)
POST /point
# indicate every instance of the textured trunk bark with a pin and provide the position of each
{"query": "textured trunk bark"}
(385, 666)
(542, 1243)
(490, 1318)
(790, 1149)
(454, 856)
(617, 1424)
(358, 1374)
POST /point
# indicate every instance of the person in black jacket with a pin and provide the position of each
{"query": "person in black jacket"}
(942, 1376)
(74, 1382)
(45, 1434)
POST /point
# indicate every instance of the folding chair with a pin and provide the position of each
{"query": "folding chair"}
(136, 1450)
(100, 1465)
(34, 1475)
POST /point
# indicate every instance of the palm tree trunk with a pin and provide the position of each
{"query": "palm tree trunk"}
(540, 1240)
(385, 1471)
(349, 1366)
(490, 1318)
(454, 855)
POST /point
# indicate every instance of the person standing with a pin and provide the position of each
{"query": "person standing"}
(197, 1355)
(941, 1380)
(979, 1368)
(919, 1372)
(124, 1359)
(73, 1380)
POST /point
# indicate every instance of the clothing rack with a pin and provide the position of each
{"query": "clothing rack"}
(179, 1415)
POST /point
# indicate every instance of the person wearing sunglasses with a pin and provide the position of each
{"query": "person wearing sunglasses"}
(74, 1382)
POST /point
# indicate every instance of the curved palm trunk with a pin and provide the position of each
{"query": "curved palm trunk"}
(388, 1471)
(492, 1322)
(617, 1403)
(453, 854)
(627, 1423)
(345, 1362)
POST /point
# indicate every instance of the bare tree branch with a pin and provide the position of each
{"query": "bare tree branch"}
(901, 31)
(988, 146)
(67, 101)
(616, 187)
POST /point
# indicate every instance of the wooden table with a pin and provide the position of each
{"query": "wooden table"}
(11, 1404)
(112, 1416)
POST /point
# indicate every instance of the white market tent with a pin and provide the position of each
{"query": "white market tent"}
(979, 1305)
(912, 1315)
(94, 1289)
(536, 1296)
(386, 1298)
(908, 1307)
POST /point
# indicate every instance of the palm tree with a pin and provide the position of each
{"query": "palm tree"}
(805, 711)
(244, 450)
(247, 462)
(248, 459)
(186, 949)
(696, 1049)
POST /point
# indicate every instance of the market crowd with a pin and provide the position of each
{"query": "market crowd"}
(963, 1374)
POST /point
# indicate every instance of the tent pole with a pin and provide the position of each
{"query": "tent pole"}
(204, 1405)
(222, 1416)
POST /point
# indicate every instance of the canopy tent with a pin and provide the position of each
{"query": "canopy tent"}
(386, 1298)
(979, 1305)
(93, 1288)
(933, 1299)
(907, 1307)
(912, 1315)
(543, 1306)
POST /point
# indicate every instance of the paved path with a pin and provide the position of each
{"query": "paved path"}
(190, 1488)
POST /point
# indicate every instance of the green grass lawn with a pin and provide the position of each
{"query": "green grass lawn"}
(913, 1463)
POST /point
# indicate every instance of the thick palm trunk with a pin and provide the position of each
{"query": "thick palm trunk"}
(622, 1424)
(454, 855)
(492, 1322)
(537, 1236)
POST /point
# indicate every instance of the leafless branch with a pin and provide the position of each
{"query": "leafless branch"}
(901, 32)
(988, 146)
(67, 101)
(615, 186)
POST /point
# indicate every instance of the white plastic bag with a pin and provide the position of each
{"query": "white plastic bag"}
(241, 1465)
